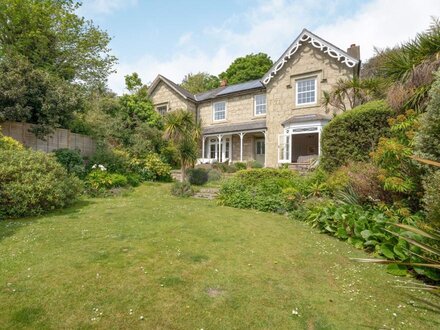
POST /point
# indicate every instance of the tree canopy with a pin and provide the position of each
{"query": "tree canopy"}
(199, 82)
(50, 59)
(249, 67)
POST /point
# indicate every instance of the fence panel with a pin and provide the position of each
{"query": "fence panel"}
(61, 138)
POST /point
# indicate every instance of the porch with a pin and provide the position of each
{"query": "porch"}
(300, 144)
(234, 143)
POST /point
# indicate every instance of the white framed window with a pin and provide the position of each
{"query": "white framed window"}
(219, 111)
(306, 91)
(162, 109)
(260, 104)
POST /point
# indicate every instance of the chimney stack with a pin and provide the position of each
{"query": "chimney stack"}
(354, 51)
(223, 83)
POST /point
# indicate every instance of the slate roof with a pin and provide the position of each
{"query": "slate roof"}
(246, 86)
(239, 127)
(305, 118)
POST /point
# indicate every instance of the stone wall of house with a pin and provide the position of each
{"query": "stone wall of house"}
(281, 104)
(239, 108)
(248, 147)
(163, 94)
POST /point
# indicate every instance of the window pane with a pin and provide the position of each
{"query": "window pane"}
(305, 91)
(260, 104)
(219, 111)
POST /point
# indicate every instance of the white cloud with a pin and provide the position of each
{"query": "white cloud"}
(382, 23)
(105, 6)
(272, 25)
(185, 39)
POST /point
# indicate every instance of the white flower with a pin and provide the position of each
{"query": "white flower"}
(295, 311)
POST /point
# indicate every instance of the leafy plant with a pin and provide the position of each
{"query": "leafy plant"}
(8, 143)
(71, 160)
(34, 182)
(261, 189)
(214, 175)
(98, 182)
(347, 94)
(240, 166)
(197, 176)
(352, 135)
(399, 174)
(182, 189)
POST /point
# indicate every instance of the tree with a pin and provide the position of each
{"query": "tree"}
(182, 129)
(199, 82)
(249, 67)
(52, 37)
(50, 61)
(34, 95)
(349, 93)
(409, 68)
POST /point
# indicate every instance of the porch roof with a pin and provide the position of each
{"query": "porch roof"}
(305, 118)
(235, 128)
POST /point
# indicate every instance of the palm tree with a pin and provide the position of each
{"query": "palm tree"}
(184, 132)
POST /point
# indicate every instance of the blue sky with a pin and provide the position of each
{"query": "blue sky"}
(176, 37)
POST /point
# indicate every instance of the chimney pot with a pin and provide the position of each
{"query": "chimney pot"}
(223, 83)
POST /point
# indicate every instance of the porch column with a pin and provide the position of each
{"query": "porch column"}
(265, 149)
(219, 147)
(241, 146)
(203, 149)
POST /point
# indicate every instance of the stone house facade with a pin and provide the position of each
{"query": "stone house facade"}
(276, 120)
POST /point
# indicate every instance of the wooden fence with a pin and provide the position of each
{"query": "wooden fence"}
(61, 138)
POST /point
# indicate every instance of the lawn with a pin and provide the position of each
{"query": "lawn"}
(147, 259)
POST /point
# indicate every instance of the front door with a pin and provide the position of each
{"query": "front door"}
(260, 151)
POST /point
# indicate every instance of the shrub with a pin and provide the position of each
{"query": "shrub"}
(428, 136)
(431, 199)
(114, 160)
(98, 182)
(254, 164)
(354, 134)
(71, 160)
(224, 168)
(182, 189)
(240, 166)
(155, 169)
(134, 179)
(214, 175)
(34, 182)
(260, 189)
(361, 178)
(399, 173)
(8, 143)
(197, 176)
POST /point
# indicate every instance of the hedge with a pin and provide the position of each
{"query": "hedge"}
(352, 135)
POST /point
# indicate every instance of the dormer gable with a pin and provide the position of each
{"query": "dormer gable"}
(307, 37)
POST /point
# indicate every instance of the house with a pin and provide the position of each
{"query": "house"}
(275, 120)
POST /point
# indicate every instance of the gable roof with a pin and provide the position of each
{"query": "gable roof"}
(308, 37)
(181, 91)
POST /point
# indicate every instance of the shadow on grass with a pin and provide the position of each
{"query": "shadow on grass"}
(428, 305)
(8, 227)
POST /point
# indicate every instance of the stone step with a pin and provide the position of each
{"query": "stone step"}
(207, 193)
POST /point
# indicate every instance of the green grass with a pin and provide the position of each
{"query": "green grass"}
(189, 264)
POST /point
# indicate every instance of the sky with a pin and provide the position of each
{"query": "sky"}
(173, 38)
